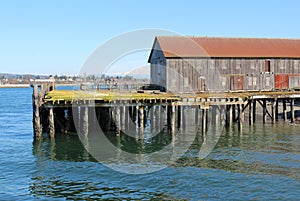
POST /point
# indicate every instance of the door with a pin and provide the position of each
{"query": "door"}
(236, 82)
(281, 81)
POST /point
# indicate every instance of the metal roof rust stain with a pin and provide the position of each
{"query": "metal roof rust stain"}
(181, 46)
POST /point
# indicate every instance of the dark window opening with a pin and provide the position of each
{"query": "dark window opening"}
(267, 66)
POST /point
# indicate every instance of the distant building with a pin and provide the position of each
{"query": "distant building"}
(186, 64)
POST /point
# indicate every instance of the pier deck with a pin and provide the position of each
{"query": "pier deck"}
(50, 107)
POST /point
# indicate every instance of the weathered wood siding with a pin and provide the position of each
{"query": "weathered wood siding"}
(158, 67)
(219, 74)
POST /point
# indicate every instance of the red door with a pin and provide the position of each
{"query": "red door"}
(281, 81)
(237, 82)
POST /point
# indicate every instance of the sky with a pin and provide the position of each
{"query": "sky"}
(56, 37)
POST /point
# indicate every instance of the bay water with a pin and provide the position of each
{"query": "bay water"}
(260, 162)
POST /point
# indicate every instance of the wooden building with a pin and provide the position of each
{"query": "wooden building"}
(197, 64)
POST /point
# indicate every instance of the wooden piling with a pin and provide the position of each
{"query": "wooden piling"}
(284, 109)
(117, 117)
(239, 120)
(51, 123)
(264, 110)
(37, 127)
(228, 115)
(250, 112)
(141, 116)
(276, 109)
(292, 110)
(196, 115)
(223, 114)
(179, 116)
(204, 120)
(85, 120)
(273, 111)
(254, 111)
(233, 113)
(173, 118)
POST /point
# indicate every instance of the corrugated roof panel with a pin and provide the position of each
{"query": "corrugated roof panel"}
(181, 46)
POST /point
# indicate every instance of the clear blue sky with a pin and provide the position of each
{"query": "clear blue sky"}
(55, 37)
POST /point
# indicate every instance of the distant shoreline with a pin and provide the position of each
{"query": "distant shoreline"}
(28, 85)
(15, 86)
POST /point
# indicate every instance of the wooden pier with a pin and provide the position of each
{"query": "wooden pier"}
(59, 111)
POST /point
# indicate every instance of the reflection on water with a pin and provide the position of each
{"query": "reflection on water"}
(66, 169)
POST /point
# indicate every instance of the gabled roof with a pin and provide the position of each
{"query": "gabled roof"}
(181, 46)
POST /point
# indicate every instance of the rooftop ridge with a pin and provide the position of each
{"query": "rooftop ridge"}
(229, 37)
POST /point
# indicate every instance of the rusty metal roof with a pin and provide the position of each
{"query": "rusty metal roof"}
(181, 46)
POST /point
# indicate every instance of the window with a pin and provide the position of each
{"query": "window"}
(267, 66)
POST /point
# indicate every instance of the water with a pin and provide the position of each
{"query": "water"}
(259, 163)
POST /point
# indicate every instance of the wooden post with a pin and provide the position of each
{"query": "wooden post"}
(178, 116)
(51, 123)
(276, 109)
(264, 110)
(204, 122)
(228, 115)
(85, 120)
(254, 111)
(169, 113)
(173, 116)
(233, 113)
(141, 116)
(223, 114)
(36, 114)
(292, 110)
(240, 123)
(215, 116)
(250, 113)
(183, 117)
(196, 115)
(123, 117)
(273, 111)
(284, 109)
(117, 119)
(242, 117)
(218, 115)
